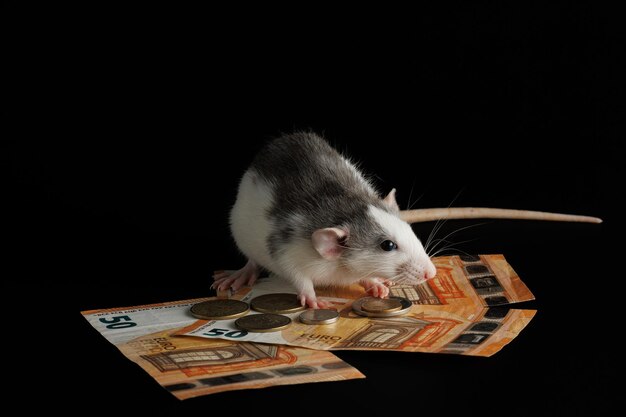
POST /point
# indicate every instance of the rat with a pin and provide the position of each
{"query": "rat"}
(306, 213)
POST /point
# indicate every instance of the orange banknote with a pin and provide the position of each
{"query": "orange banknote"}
(462, 310)
(190, 367)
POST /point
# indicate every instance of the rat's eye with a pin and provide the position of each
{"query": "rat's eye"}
(388, 246)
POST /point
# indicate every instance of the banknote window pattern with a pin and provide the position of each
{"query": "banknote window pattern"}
(484, 281)
(167, 361)
(295, 370)
(432, 292)
(233, 379)
(497, 313)
(385, 333)
(477, 333)
(484, 326)
(417, 294)
(214, 355)
(380, 335)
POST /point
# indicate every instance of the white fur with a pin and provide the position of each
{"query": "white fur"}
(302, 264)
(398, 230)
(300, 259)
(410, 251)
(249, 223)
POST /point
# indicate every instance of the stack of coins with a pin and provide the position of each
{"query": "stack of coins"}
(381, 307)
(319, 317)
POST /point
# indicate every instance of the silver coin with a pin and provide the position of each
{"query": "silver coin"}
(406, 307)
(323, 316)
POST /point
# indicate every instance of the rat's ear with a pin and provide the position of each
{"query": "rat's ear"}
(328, 242)
(390, 200)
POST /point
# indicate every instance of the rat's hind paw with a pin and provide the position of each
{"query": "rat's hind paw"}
(235, 280)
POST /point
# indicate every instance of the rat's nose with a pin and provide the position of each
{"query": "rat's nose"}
(430, 271)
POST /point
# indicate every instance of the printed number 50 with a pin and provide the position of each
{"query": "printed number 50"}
(224, 332)
(118, 322)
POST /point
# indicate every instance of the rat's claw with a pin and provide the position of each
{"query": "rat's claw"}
(220, 275)
(324, 304)
(384, 292)
(217, 282)
(235, 280)
(304, 300)
(241, 280)
(311, 301)
(252, 279)
(375, 286)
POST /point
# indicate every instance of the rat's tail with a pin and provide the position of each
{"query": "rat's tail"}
(431, 214)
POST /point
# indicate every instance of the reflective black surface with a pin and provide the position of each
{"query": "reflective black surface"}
(123, 169)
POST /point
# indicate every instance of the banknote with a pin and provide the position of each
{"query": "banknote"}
(463, 310)
(190, 367)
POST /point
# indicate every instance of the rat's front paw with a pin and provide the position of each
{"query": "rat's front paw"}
(375, 287)
(312, 301)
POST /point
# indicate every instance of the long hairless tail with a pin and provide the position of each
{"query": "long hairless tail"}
(431, 214)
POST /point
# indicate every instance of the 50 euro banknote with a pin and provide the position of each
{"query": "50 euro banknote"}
(463, 310)
(190, 367)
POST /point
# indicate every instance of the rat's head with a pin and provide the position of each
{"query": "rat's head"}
(377, 244)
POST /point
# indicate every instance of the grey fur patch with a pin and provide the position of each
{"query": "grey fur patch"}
(314, 188)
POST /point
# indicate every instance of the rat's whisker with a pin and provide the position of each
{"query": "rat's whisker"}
(451, 245)
(433, 232)
(441, 240)
(408, 204)
(456, 231)
(443, 249)
(439, 224)
(457, 250)
(371, 273)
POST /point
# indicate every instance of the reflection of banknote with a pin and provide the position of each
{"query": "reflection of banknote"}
(456, 312)
(189, 367)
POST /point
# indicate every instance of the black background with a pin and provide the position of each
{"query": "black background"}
(131, 129)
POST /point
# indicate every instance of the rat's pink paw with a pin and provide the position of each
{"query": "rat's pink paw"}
(375, 287)
(312, 301)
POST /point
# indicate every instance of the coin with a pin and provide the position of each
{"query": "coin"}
(406, 307)
(219, 309)
(323, 316)
(280, 303)
(381, 305)
(263, 323)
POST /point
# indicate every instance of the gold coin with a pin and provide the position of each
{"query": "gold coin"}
(263, 323)
(322, 316)
(381, 305)
(280, 303)
(406, 307)
(219, 309)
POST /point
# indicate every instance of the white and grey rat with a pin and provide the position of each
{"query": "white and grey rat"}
(306, 213)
